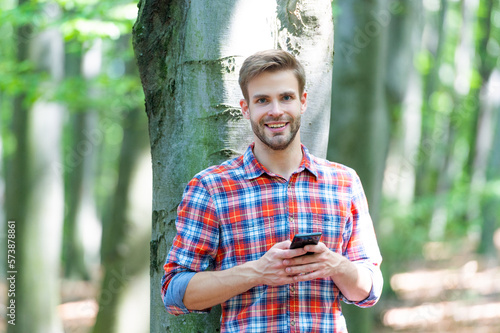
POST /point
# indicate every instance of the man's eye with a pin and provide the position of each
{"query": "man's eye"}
(261, 100)
(287, 98)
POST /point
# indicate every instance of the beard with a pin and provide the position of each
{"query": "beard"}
(276, 141)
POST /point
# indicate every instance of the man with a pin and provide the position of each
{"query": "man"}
(235, 223)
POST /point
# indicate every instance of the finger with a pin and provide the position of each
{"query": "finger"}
(285, 245)
(320, 247)
(306, 276)
(292, 253)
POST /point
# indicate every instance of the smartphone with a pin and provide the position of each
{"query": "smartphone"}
(301, 240)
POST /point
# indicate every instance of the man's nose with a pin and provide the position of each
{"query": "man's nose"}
(275, 109)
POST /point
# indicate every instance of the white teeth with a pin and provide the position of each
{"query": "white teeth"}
(276, 125)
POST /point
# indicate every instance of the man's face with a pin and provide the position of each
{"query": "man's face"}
(274, 108)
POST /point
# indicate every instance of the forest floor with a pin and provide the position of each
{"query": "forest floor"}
(464, 297)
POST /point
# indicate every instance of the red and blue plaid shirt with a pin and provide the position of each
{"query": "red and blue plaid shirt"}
(233, 213)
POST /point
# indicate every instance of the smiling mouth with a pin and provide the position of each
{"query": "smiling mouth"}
(276, 126)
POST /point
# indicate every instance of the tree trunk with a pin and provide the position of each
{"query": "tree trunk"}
(426, 174)
(36, 204)
(360, 124)
(490, 202)
(484, 154)
(77, 166)
(17, 186)
(118, 257)
(482, 147)
(404, 97)
(189, 56)
(122, 254)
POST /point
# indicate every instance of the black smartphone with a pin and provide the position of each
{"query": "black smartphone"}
(301, 240)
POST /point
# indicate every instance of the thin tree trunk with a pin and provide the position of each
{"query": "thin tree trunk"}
(482, 134)
(404, 95)
(484, 155)
(36, 204)
(446, 127)
(17, 186)
(77, 166)
(122, 256)
(427, 170)
(118, 267)
(490, 202)
(189, 56)
(360, 124)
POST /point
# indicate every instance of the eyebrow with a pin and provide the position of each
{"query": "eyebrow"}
(259, 96)
(285, 93)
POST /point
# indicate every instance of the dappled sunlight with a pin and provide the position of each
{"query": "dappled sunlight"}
(496, 239)
(78, 314)
(425, 284)
(461, 299)
(437, 317)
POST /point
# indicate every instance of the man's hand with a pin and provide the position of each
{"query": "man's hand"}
(278, 266)
(210, 288)
(271, 266)
(321, 264)
(354, 281)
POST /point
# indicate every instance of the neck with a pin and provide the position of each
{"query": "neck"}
(281, 162)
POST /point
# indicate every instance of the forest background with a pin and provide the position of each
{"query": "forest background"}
(76, 181)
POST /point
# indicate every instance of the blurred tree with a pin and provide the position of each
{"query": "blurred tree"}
(34, 188)
(445, 102)
(403, 91)
(79, 169)
(188, 55)
(118, 261)
(483, 157)
(361, 123)
(429, 63)
(42, 102)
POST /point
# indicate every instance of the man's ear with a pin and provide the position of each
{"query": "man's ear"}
(244, 109)
(303, 102)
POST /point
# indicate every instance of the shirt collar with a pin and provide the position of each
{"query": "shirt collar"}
(254, 169)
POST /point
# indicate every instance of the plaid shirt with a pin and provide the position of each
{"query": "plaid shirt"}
(233, 213)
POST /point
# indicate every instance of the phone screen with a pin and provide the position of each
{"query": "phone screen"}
(301, 240)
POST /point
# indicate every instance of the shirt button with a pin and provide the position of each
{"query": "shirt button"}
(292, 288)
(291, 219)
(292, 323)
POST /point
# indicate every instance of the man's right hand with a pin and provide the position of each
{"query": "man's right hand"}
(270, 267)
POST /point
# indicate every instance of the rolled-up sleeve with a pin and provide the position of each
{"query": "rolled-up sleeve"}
(194, 247)
(361, 245)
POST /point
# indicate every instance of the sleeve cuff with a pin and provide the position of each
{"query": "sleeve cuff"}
(176, 290)
(375, 292)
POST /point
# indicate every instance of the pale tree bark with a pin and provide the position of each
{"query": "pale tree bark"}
(490, 202)
(404, 97)
(446, 129)
(360, 124)
(124, 255)
(78, 168)
(483, 154)
(120, 257)
(189, 54)
(37, 189)
(428, 159)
